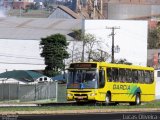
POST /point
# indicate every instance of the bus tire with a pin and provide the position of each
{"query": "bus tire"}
(108, 99)
(137, 100)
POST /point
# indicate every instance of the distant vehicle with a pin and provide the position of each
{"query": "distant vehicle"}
(157, 79)
(43, 79)
(110, 83)
(61, 78)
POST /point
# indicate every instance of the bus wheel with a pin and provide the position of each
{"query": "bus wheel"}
(137, 100)
(108, 99)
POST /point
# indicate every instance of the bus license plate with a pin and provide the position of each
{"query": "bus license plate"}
(80, 97)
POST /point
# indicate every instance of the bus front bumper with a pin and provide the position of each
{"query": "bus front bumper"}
(80, 97)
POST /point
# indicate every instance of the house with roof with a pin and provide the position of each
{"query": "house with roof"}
(64, 12)
(23, 77)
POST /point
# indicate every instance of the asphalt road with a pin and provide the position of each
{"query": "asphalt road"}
(92, 116)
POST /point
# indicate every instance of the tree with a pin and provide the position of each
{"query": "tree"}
(78, 35)
(54, 53)
(100, 55)
(88, 43)
(123, 61)
(75, 49)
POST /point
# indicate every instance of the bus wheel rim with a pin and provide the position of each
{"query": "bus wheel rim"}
(107, 99)
(138, 100)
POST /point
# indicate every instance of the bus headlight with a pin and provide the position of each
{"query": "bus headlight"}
(69, 95)
(92, 94)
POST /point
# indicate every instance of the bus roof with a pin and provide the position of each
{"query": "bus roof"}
(106, 64)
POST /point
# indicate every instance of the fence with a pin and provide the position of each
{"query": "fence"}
(32, 92)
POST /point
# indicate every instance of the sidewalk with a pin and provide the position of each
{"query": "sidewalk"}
(17, 105)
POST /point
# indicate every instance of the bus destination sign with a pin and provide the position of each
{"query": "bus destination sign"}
(83, 65)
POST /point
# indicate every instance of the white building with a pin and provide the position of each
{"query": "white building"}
(129, 35)
(20, 39)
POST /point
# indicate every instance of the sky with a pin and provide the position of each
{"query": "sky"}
(131, 37)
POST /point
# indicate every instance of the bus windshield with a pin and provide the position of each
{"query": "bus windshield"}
(82, 78)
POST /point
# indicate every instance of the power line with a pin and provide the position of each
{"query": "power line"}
(21, 63)
(21, 57)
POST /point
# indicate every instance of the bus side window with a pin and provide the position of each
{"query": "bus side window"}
(147, 77)
(128, 75)
(134, 76)
(109, 74)
(112, 77)
(101, 78)
(141, 76)
(122, 75)
(115, 74)
(151, 77)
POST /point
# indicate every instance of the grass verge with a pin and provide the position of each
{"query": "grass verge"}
(155, 104)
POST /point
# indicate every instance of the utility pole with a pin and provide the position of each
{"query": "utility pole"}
(112, 34)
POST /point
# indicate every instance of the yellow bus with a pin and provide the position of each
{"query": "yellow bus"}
(110, 83)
